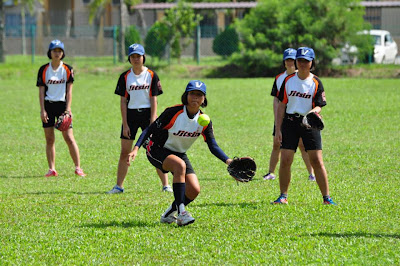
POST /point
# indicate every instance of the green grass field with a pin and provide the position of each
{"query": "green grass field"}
(71, 221)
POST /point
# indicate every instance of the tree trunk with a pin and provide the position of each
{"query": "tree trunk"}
(122, 25)
(2, 33)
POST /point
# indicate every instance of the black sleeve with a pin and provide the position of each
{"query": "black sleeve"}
(319, 99)
(157, 128)
(282, 91)
(71, 76)
(274, 91)
(40, 81)
(121, 85)
(156, 88)
(208, 134)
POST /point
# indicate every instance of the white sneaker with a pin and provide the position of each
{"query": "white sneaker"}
(167, 189)
(115, 190)
(269, 176)
(168, 219)
(184, 219)
(311, 177)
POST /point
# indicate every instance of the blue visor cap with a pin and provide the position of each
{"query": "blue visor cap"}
(136, 49)
(196, 85)
(56, 44)
(306, 53)
(289, 53)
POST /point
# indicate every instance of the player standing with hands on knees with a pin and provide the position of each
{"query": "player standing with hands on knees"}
(168, 139)
(300, 94)
(138, 88)
(55, 81)
(289, 55)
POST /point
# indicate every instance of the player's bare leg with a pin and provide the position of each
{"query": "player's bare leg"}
(164, 180)
(320, 171)
(273, 160)
(50, 147)
(306, 160)
(192, 187)
(285, 169)
(72, 146)
(126, 147)
(73, 151)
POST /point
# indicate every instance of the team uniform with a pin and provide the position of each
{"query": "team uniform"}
(174, 132)
(138, 89)
(300, 96)
(55, 83)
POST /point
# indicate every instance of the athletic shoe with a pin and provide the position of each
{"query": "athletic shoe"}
(280, 200)
(311, 177)
(329, 201)
(115, 190)
(168, 219)
(184, 219)
(51, 172)
(79, 171)
(167, 189)
(269, 176)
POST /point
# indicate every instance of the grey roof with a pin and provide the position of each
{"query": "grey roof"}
(219, 5)
(236, 5)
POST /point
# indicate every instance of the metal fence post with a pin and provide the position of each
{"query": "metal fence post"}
(33, 40)
(115, 44)
(198, 37)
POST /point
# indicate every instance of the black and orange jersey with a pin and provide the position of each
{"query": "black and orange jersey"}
(55, 81)
(176, 131)
(278, 83)
(300, 96)
(138, 89)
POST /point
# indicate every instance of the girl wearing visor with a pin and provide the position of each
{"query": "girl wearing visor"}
(138, 89)
(166, 142)
(301, 93)
(55, 81)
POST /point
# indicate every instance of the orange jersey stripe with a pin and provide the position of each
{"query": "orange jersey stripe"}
(44, 74)
(125, 78)
(171, 123)
(68, 71)
(316, 89)
(152, 76)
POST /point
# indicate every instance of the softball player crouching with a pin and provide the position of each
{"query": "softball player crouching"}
(166, 142)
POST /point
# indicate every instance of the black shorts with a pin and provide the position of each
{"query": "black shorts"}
(54, 110)
(156, 156)
(136, 118)
(292, 131)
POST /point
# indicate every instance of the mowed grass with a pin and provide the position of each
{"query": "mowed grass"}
(70, 220)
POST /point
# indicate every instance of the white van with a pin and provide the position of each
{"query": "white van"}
(385, 48)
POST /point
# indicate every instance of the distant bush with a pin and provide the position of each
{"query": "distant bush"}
(132, 35)
(154, 45)
(227, 42)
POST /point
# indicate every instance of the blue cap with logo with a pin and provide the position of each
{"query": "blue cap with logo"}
(136, 49)
(306, 53)
(196, 85)
(289, 53)
(56, 44)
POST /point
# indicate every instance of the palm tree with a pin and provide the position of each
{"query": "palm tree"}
(25, 4)
(96, 11)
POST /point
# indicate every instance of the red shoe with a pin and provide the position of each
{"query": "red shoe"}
(51, 172)
(79, 171)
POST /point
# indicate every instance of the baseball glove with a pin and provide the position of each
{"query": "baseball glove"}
(242, 169)
(64, 122)
(313, 120)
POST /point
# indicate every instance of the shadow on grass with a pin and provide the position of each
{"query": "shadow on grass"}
(120, 224)
(21, 176)
(241, 205)
(358, 234)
